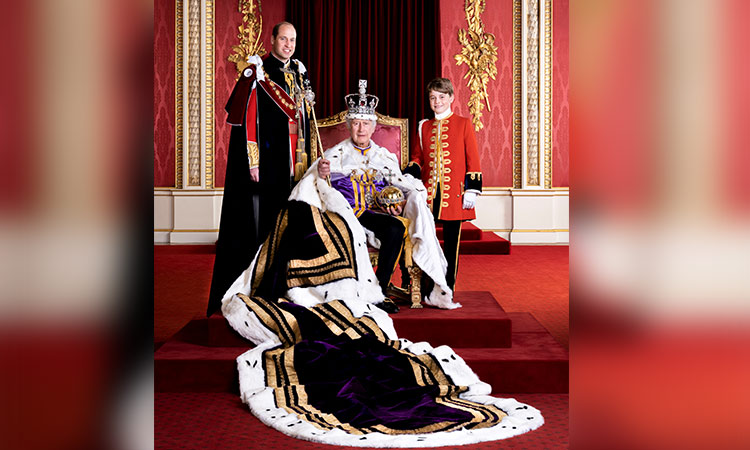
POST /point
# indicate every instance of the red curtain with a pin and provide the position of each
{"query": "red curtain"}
(393, 44)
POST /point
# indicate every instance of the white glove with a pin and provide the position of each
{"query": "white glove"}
(258, 63)
(470, 199)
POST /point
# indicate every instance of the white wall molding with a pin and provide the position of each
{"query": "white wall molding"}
(521, 216)
(494, 210)
(540, 217)
(525, 216)
(187, 216)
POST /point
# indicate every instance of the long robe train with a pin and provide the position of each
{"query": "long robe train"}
(332, 377)
(328, 366)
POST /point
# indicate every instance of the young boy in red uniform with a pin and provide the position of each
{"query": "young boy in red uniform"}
(445, 158)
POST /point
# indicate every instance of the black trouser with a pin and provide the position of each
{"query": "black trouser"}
(451, 241)
(390, 231)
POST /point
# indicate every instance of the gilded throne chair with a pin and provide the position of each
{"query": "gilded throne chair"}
(393, 134)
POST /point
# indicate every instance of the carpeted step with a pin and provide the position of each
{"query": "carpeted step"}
(469, 231)
(188, 367)
(524, 322)
(184, 249)
(481, 322)
(535, 363)
(474, 241)
(490, 244)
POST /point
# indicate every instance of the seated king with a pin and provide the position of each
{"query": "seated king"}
(359, 170)
(317, 251)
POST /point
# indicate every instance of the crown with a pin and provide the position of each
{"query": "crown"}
(361, 106)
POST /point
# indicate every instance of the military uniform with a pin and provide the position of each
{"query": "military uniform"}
(264, 135)
(445, 157)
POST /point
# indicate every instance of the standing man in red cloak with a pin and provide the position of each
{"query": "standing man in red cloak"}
(268, 153)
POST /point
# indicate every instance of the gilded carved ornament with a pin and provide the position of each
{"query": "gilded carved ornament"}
(479, 53)
(249, 35)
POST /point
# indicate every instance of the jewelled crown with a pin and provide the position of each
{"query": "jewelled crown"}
(362, 105)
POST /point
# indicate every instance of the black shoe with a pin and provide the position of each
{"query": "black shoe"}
(397, 294)
(388, 306)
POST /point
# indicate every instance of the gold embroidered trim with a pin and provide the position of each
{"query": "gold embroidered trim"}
(292, 397)
(280, 96)
(275, 319)
(336, 264)
(268, 249)
(253, 156)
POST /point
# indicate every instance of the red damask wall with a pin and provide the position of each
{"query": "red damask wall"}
(733, 97)
(495, 140)
(227, 19)
(560, 92)
(164, 107)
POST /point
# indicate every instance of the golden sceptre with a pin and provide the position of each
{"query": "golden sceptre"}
(304, 98)
(311, 102)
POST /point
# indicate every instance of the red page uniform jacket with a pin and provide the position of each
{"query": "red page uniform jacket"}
(446, 158)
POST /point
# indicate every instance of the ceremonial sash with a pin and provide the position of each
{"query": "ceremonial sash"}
(286, 104)
(280, 97)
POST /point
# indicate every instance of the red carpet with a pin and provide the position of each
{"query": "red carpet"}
(480, 323)
(531, 279)
(196, 375)
(474, 241)
(182, 278)
(511, 357)
(220, 421)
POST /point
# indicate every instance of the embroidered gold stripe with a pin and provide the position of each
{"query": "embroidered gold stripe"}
(293, 398)
(337, 263)
(275, 319)
(268, 250)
